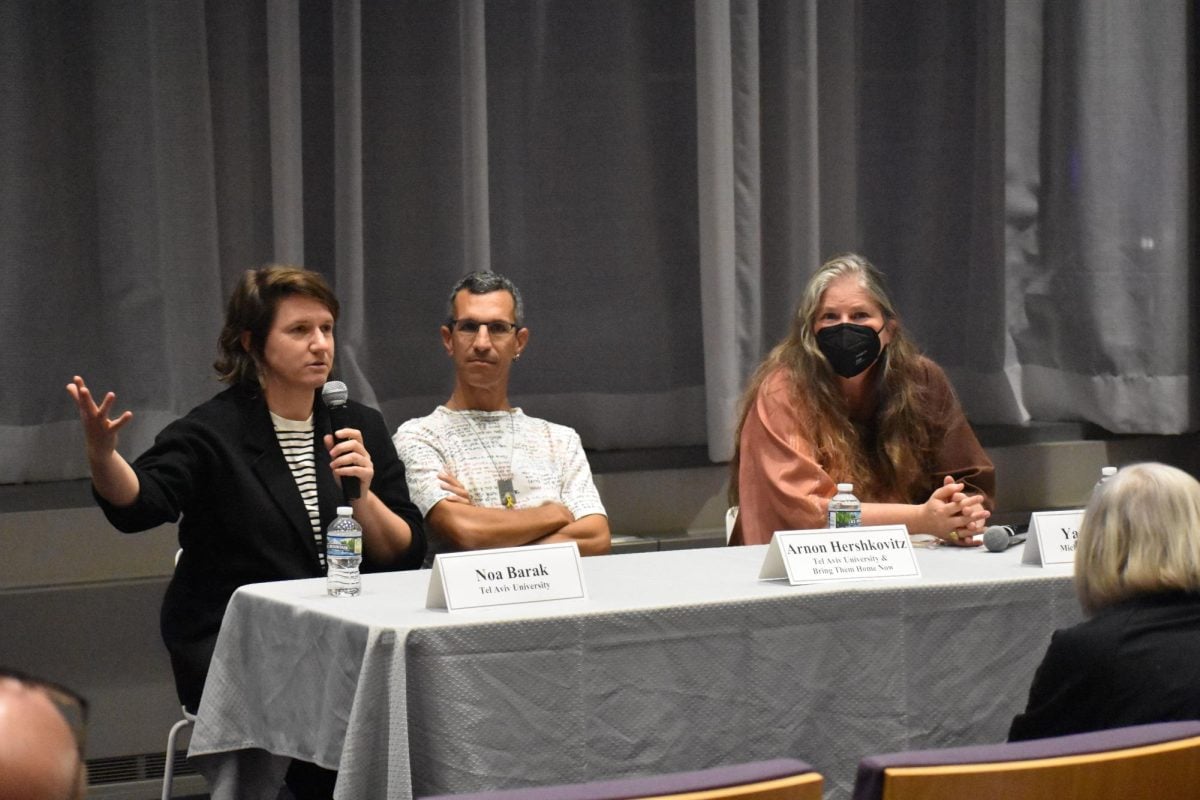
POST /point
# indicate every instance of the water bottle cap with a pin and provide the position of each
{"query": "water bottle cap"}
(845, 488)
(345, 511)
(1108, 472)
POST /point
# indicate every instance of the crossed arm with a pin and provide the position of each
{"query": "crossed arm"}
(472, 527)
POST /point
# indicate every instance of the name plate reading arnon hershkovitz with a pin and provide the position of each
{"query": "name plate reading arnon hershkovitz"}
(1052, 537)
(506, 576)
(840, 554)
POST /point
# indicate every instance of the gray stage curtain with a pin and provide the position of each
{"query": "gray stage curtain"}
(660, 178)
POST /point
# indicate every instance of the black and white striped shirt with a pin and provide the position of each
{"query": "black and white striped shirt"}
(296, 440)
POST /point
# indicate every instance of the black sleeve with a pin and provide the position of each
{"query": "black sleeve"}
(1062, 692)
(390, 486)
(167, 476)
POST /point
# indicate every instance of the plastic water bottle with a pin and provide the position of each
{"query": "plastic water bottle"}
(1105, 474)
(343, 554)
(844, 509)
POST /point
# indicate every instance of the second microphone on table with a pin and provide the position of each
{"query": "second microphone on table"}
(1001, 537)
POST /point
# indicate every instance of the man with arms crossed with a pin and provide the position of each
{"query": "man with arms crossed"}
(482, 472)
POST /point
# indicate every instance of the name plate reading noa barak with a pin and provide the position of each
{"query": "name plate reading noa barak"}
(506, 576)
(1052, 537)
(840, 554)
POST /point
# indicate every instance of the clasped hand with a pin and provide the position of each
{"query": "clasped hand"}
(954, 516)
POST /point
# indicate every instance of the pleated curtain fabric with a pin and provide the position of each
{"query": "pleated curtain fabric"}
(659, 178)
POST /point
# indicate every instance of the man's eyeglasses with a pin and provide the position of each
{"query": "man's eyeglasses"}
(72, 707)
(469, 328)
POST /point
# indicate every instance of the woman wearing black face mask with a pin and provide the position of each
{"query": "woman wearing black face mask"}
(846, 398)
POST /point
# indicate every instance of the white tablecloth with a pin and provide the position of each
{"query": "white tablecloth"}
(677, 660)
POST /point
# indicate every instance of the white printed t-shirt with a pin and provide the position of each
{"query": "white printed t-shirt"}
(545, 462)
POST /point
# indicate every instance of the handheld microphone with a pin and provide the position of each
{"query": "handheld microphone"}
(998, 538)
(335, 394)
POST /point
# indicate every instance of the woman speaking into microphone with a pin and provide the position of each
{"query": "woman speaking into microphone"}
(846, 398)
(255, 473)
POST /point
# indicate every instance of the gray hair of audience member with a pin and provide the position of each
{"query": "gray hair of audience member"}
(486, 283)
(1140, 535)
(39, 757)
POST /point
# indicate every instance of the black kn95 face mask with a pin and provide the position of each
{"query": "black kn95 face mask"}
(849, 348)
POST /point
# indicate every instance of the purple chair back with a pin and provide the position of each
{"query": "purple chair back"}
(868, 784)
(671, 783)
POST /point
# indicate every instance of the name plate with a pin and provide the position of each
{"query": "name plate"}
(1052, 537)
(506, 576)
(840, 554)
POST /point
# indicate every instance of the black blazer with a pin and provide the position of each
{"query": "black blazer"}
(243, 522)
(1133, 663)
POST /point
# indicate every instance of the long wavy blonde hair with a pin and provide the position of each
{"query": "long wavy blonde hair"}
(895, 461)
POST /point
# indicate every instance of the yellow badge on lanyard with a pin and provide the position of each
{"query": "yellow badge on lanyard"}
(508, 494)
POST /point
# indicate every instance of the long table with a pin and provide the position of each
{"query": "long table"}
(676, 660)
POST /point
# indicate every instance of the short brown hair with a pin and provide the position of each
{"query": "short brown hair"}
(1140, 535)
(252, 308)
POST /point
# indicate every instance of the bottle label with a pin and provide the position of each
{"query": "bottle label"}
(849, 518)
(337, 546)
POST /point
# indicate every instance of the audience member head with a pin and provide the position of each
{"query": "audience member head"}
(251, 310)
(1140, 535)
(486, 283)
(41, 740)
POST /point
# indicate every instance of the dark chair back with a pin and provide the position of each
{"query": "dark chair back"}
(779, 779)
(1159, 761)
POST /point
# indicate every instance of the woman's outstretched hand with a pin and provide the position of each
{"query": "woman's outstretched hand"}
(98, 429)
(112, 476)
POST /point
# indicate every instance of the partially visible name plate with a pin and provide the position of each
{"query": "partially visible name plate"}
(506, 576)
(840, 554)
(1052, 537)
